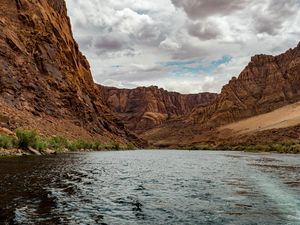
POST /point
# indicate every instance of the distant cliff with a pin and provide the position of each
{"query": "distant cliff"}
(144, 108)
(267, 83)
(44, 75)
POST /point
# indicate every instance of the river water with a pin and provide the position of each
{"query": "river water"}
(151, 187)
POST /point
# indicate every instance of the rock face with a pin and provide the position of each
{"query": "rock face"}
(43, 72)
(144, 108)
(267, 83)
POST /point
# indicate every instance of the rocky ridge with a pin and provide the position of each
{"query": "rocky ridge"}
(144, 108)
(267, 83)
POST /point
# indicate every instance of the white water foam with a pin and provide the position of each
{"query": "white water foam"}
(286, 200)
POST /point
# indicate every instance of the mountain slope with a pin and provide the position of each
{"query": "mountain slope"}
(44, 75)
(286, 116)
(144, 108)
(267, 83)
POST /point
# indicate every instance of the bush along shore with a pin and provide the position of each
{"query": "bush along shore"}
(29, 142)
(288, 147)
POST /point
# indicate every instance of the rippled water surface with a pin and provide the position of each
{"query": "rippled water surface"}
(151, 187)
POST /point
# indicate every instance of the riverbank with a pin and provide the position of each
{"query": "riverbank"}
(29, 142)
(33, 152)
(290, 148)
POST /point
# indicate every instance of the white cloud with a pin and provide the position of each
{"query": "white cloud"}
(125, 40)
(169, 44)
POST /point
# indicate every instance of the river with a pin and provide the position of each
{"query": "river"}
(151, 187)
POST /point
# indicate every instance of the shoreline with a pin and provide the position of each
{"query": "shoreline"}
(280, 148)
(29, 142)
(7, 153)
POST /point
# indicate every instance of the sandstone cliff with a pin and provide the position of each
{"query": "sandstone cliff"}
(44, 75)
(144, 108)
(267, 83)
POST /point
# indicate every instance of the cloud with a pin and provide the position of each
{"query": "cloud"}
(268, 16)
(126, 41)
(169, 44)
(85, 42)
(108, 43)
(204, 31)
(271, 19)
(200, 9)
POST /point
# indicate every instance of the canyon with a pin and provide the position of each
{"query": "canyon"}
(46, 84)
(266, 84)
(144, 108)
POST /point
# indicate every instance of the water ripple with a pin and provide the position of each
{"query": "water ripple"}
(151, 187)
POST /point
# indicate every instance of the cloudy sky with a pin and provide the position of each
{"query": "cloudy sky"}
(188, 46)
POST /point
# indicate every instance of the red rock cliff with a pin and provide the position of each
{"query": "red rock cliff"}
(143, 108)
(267, 83)
(43, 73)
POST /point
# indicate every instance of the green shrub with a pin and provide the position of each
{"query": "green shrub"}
(130, 146)
(6, 141)
(203, 147)
(58, 143)
(81, 144)
(26, 138)
(96, 145)
(286, 148)
(116, 146)
(224, 147)
(41, 145)
(295, 148)
(71, 146)
(280, 148)
(85, 145)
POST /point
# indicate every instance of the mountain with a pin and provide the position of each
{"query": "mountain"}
(266, 84)
(144, 108)
(45, 81)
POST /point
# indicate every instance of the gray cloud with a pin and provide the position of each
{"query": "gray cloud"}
(85, 42)
(109, 44)
(268, 15)
(204, 31)
(271, 20)
(189, 51)
(200, 9)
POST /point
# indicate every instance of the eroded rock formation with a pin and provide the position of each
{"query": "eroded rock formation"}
(144, 108)
(43, 73)
(267, 83)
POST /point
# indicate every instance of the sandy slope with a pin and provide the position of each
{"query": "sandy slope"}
(286, 116)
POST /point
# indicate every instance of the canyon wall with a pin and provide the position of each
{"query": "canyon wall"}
(44, 75)
(144, 108)
(267, 83)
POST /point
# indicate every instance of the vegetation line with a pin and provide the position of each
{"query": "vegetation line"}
(287, 147)
(30, 142)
